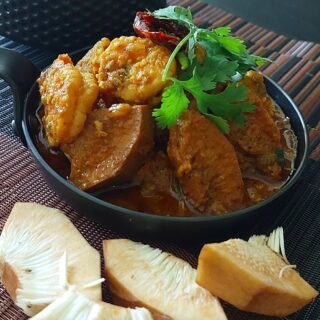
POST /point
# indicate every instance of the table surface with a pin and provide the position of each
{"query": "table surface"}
(297, 70)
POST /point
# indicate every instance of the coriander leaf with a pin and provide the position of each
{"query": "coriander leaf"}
(227, 105)
(232, 44)
(206, 81)
(243, 68)
(247, 61)
(223, 31)
(224, 69)
(221, 123)
(179, 14)
(212, 47)
(234, 92)
(195, 87)
(251, 60)
(230, 103)
(215, 48)
(174, 101)
(216, 69)
(200, 80)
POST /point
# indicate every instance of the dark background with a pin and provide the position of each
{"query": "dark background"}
(295, 18)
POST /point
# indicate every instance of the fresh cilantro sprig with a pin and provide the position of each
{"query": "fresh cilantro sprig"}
(181, 15)
(174, 102)
(219, 108)
(225, 57)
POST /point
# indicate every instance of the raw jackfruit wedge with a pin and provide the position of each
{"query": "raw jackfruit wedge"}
(32, 243)
(253, 277)
(143, 276)
(72, 305)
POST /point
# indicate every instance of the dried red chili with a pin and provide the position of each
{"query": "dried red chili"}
(161, 31)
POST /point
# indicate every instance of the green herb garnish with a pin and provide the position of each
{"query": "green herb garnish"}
(224, 58)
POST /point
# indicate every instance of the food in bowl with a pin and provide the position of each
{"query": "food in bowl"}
(175, 123)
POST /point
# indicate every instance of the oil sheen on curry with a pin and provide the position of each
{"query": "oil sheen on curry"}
(125, 124)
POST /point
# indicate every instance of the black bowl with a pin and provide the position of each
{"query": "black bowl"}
(138, 224)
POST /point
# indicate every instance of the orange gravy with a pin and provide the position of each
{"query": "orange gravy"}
(160, 203)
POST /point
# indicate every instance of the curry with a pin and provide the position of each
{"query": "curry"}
(173, 122)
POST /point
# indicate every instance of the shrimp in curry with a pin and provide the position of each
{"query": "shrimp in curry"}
(172, 122)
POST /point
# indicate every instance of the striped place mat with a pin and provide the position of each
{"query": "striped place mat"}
(296, 69)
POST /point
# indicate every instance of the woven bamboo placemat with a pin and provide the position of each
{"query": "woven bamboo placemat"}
(297, 70)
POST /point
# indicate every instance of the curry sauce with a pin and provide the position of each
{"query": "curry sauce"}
(155, 188)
